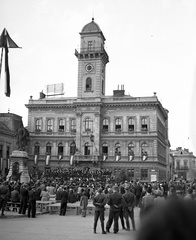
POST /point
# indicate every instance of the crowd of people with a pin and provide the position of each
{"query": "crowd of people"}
(99, 186)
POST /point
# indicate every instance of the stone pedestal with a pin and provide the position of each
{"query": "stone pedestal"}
(22, 158)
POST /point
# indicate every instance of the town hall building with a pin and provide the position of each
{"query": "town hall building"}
(94, 130)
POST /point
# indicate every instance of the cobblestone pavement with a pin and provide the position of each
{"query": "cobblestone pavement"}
(54, 227)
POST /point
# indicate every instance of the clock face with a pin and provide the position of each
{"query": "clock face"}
(89, 67)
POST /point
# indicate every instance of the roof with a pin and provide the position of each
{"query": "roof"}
(91, 27)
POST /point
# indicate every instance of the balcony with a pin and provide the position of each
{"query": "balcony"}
(182, 168)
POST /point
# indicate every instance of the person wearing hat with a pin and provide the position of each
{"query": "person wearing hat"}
(129, 202)
(32, 202)
(99, 201)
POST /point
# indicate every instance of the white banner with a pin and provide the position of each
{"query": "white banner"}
(60, 157)
(118, 158)
(35, 159)
(144, 157)
(47, 160)
(71, 160)
(104, 157)
(131, 157)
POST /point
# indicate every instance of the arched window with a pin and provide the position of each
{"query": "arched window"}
(48, 149)
(144, 124)
(73, 125)
(131, 125)
(88, 84)
(105, 125)
(118, 149)
(72, 148)
(49, 125)
(118, 126)
(37, 149)
(60, 149)
(86, 149)
(38, 125)
(105, 149)
(88, 124)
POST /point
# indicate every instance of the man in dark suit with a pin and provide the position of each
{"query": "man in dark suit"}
(24, 194)
(32, 202)
(116, 202)
(64, 200)
(99, 202)
(129, 201)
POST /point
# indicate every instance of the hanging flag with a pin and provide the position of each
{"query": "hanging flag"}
(71, 160)
(5, 43)
(60, 157)
(144, 157)
(104, 157)
(35, 159)
(131, 157)
(8, 163)
(47, 159)
(118, 158)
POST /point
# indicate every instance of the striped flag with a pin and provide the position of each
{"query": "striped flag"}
(47, 159)
(5, 43)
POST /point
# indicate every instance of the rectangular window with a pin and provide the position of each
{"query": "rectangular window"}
(48, 150)
(38, 125)
(90, 45)
(131, 173)
(178, 165)
(61, 125)
(49, 125)
(144, 174)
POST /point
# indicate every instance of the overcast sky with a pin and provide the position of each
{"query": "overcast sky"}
(151, 46)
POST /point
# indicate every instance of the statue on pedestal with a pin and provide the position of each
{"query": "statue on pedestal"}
(22, 136)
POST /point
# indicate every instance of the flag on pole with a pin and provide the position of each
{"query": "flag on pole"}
(71, 160)
(5, 43)
(47, 159)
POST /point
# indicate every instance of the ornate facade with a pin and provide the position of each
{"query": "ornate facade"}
(184, 164)
(115, 132)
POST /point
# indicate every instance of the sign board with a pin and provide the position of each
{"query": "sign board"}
(153, 178)
(55, 89)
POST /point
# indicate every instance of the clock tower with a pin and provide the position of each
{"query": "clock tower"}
(92, 60)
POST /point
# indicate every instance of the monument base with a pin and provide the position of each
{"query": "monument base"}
(20, 157)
